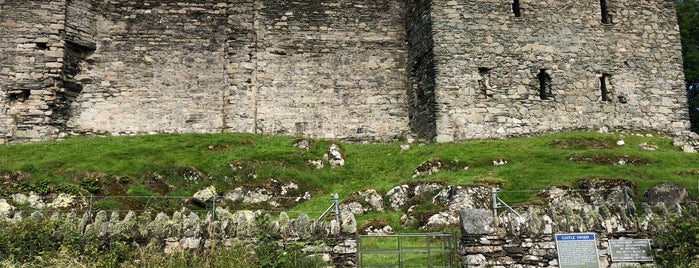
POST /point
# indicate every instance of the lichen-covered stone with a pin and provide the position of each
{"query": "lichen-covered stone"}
(669, 194)
(476, 221)
(5, 209)
(205, 196)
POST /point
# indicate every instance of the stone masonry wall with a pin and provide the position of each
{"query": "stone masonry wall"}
(186, 231)
(603, 207)
(489, 63)
(31, 68)
(357, 70)
(332, 69)
(158, 66)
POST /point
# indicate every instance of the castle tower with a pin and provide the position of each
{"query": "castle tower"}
(488, 69)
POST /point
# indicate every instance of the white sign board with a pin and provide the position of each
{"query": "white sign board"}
(577, 250)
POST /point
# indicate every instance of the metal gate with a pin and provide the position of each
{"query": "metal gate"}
(408, 250)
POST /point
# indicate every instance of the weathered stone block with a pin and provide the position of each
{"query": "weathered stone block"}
(477, 221)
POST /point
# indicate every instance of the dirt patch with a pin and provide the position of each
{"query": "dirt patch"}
(243, 171)
(688, 172)
(604, 183)
(157, 184)
(11, 180)
(606, 159)
(219, 147)
(434, 165)
(581, 143)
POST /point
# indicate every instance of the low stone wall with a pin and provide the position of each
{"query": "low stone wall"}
(185, 230)
(509, 240)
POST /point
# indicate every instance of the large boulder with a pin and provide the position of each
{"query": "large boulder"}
(669, 194)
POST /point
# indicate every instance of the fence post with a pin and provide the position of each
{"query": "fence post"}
(629, 209)
(495, 192)
(213, 208)
(335, 197)
(89, 211)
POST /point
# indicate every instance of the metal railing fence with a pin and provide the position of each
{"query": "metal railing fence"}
(435, 250)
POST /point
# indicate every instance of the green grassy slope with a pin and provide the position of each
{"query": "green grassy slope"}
(158, 164)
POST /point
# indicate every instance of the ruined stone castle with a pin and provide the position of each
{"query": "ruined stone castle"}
(448, 70)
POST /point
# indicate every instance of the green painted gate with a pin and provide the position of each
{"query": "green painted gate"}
(408, 250)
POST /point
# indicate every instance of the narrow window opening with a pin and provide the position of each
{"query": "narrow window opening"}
(516, 8)
(42, 45)
(544, 84)
(18, 95)
(301, 128)
(484, 83)
(604, 88)
(606, 17)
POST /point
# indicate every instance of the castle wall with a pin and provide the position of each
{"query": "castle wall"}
(489, 63)
(31, 66)
(372, 70)
(330, 69)
(158, 67)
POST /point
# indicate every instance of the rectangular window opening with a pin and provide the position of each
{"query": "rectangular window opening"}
(604, 89)
(544, 84)
(606, 17)
(301, 128)
(516, 8)
(484, 83)
(18, 95)
(42, 45)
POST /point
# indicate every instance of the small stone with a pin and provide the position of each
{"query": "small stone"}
(206, 195)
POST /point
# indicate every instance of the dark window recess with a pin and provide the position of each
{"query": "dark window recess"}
(42, 45)
(604, 89)
(484, 83)
(516, 8)
(300, 127)
(18, 95)
(606, 17)
(544, 85)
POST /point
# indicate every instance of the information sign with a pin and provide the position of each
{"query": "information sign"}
(630, 250)
(577, 250)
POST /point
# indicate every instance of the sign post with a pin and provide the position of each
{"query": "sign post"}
(577, 250)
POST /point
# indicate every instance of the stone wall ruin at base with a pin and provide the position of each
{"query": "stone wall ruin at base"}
(356, 70)
(605, 207)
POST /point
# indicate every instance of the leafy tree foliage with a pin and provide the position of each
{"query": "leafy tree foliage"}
(688, 19)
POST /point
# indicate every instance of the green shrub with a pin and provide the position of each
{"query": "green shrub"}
(92, 185)
(678, 243)
(27, 240)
